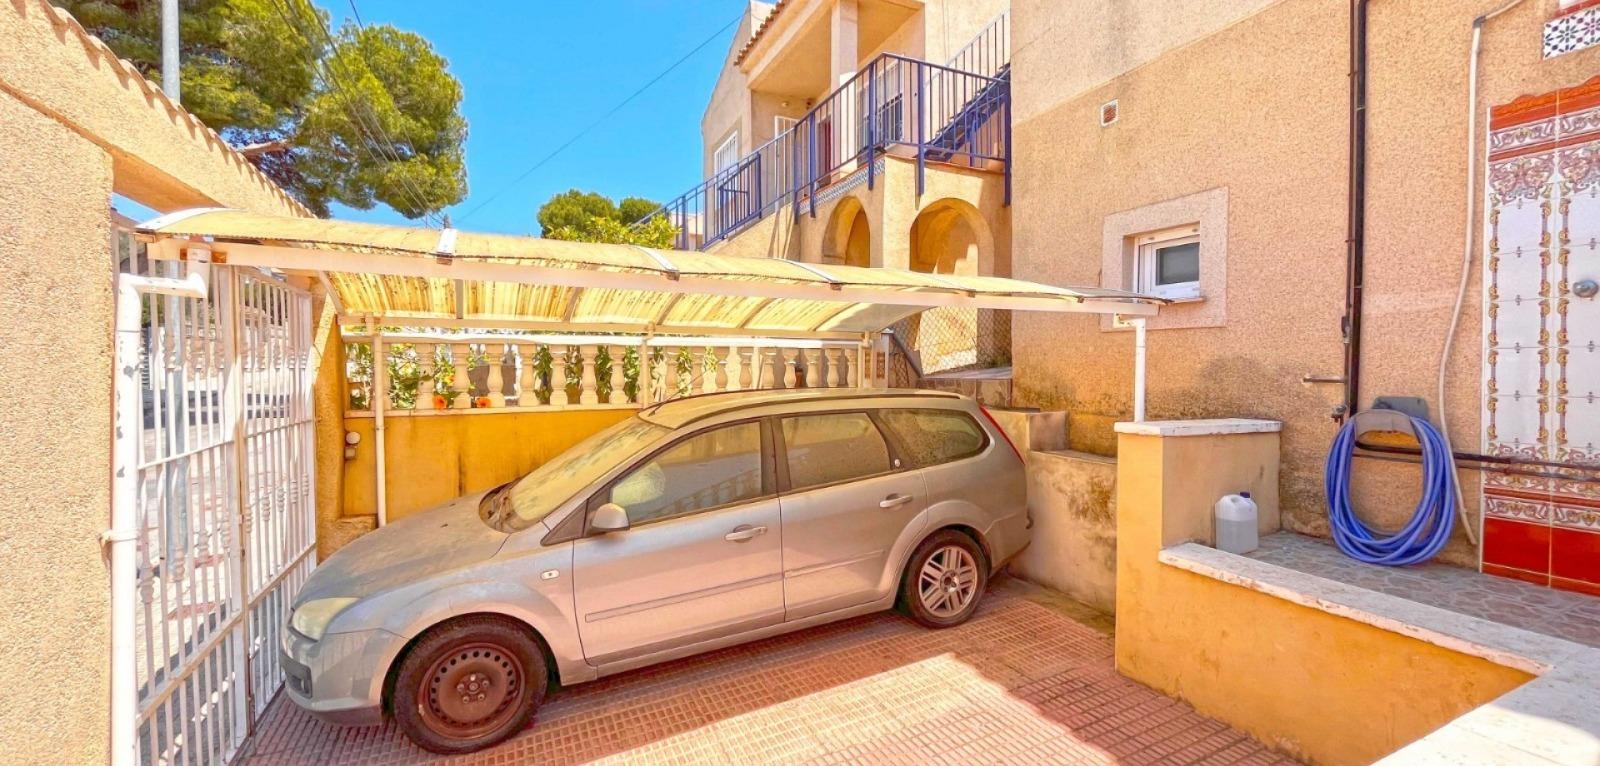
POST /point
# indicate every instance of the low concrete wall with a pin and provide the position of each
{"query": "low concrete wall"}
(1072, 496)
(1324, 688)
(434, 458)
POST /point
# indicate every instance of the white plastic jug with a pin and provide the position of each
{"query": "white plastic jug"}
(1236, 523)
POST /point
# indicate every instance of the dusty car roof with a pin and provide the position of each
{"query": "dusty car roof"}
(678, 412)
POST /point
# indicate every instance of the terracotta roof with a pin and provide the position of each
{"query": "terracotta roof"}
(777, 9)
(94, 47)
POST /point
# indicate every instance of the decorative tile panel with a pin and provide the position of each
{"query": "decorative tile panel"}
(1541, 342)
(1572, 32)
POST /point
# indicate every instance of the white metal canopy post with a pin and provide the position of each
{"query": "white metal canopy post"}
(1138, 368)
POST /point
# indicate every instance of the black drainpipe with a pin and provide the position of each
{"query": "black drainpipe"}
(1356, 235)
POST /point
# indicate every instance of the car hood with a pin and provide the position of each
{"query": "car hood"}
(412, 549)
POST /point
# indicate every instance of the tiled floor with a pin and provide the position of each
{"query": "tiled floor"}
(1028, 680)
(1572, 616)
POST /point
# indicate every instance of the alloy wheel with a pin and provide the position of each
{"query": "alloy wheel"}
(948, 582)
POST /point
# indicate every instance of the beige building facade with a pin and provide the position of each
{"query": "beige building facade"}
(1225, 126)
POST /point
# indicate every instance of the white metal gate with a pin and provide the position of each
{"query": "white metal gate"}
(222, 505)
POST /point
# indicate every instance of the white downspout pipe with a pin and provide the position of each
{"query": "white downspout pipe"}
(380, 396)
(1468, 240)
(119, 539)
(1138, 368)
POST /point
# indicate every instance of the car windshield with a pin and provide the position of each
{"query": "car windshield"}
(548, 486)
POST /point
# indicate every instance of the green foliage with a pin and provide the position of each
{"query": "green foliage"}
(373, 117)
(592, 217)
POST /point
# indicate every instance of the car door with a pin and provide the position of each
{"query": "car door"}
(846, 498)
(702, 556)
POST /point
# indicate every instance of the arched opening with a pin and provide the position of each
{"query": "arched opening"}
(847, 239)
(950, 237)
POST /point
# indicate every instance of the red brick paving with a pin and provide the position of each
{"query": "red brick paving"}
(1023, 682)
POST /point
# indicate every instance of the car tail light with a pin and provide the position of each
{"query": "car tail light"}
(1003, 434)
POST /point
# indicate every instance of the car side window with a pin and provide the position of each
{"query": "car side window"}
(716, 467)
(832, 447)
(931, 437)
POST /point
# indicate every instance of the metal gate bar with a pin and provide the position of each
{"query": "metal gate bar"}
(223, 524)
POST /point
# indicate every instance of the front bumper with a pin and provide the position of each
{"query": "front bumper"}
(340, 678)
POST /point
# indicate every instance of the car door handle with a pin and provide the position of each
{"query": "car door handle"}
(894, 500)
(744, 533)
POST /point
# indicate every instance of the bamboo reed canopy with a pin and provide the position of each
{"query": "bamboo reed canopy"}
(450, 278)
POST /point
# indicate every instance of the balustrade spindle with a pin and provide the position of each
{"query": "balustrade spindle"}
(789, 378)
(834, 358)
(587, 393)
(527, 382)
(765, 377)
(558, 376)
(494, 356)
(425, 372)
(669, 359)
(712, 379)
(813, 368)
(734, 373)
(461, 383)
(619, 383)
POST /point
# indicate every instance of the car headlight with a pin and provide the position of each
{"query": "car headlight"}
(312, 618)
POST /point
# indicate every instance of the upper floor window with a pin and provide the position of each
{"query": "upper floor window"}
(1167, 263)
(727, 154)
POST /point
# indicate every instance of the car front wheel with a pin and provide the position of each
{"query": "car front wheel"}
(468, 684)
(944, 580)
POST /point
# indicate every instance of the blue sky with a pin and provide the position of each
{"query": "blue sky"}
(536, 72)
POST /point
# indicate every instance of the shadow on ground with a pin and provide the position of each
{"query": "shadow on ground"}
(1028, 680)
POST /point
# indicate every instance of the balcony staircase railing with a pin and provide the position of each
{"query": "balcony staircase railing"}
(919, 110)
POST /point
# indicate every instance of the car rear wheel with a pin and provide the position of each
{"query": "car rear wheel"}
(944, 580)
(468, 684)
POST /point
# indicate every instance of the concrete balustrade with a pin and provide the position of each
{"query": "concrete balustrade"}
(435, 375)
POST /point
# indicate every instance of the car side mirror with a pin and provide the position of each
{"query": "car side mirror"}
(609, 518)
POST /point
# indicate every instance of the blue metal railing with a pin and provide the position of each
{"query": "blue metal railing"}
(931, 112)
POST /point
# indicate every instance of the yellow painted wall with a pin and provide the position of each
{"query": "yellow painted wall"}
(435, 458)
(1250, 96)
(1324, 688)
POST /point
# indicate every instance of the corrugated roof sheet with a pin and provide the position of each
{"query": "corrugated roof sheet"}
(422, 274)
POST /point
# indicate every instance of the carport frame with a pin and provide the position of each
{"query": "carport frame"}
(189, 240)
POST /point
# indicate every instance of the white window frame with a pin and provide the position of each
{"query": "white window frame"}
(1145, 268)
(728, 149)
(781, 123)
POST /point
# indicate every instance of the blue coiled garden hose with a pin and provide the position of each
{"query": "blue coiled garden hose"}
(1430, 524)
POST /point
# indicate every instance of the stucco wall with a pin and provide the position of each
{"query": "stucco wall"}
(163, 156)
(1327, 689)
(75, 126)
(1072, 496)
(1251, 97)
(434, 458)
(56, 294)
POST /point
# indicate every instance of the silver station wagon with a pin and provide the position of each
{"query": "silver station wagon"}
(699, 523)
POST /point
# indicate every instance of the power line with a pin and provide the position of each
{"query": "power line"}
(591, 126)
(421, 199)
(287, 9)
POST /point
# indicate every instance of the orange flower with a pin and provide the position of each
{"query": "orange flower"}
(481, 402)
(440, 402)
